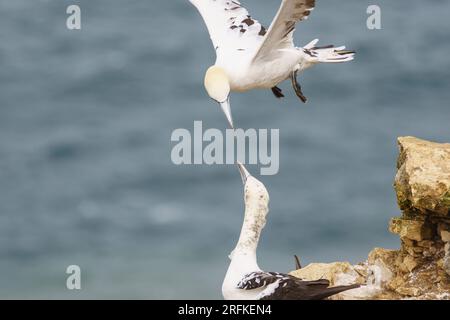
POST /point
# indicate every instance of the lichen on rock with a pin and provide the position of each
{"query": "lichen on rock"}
(420, 269)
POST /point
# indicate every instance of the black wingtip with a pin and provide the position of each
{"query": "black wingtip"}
(345, 52)
(335, 290)
(298, 265)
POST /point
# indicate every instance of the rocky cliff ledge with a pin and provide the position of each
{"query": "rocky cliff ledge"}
(420, 269)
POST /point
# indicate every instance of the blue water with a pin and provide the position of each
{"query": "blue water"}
(85, 124)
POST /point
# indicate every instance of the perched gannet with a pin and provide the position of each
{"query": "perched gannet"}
(244, 279)
(249, 57)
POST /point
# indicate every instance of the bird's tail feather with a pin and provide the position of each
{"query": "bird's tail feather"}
(327, 54)
(328, 292)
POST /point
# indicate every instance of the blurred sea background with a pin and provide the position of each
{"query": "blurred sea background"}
(86, 119)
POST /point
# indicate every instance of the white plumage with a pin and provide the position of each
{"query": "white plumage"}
(244, 279)
(252, 57)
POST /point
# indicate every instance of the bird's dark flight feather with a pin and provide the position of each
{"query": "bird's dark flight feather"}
(290, 287)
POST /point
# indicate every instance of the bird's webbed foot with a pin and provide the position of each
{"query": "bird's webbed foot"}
(277, 92)
(297, 87)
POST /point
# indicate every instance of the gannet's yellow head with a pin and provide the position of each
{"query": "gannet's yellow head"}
(217, 85)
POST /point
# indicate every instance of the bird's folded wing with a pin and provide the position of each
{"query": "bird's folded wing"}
(229, 24)
(260, 279)
(276, 286)
(280, 34)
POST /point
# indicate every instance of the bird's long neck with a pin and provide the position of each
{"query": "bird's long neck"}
(254, 221)
(244, 254)
(243, 257)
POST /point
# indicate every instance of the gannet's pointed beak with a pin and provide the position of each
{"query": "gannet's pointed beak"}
(244, 173)
(226, 108)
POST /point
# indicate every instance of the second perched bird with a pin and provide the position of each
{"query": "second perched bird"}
(251, 57)
(244, 279)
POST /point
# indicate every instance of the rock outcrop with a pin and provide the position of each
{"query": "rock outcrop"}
(420, 269)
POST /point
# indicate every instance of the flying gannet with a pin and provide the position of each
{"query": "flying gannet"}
(244, 279)
(250, 57)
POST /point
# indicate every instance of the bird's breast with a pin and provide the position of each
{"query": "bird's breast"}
(262, 75)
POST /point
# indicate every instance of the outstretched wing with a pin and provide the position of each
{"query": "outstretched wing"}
(280, 34)
(280, 286)
(229, 24)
